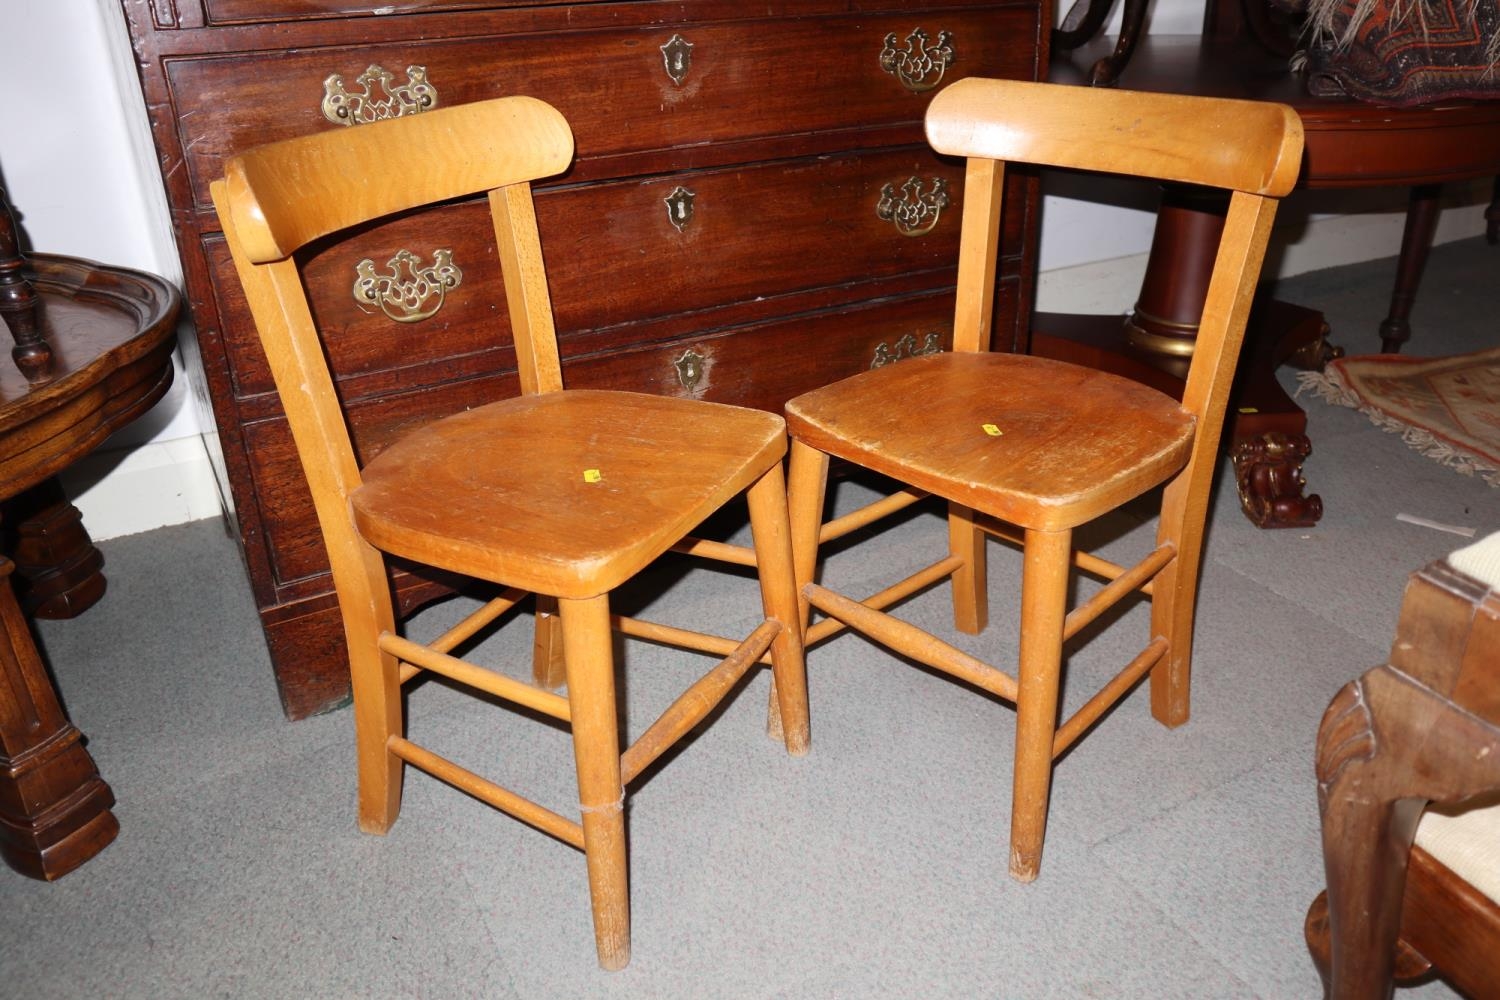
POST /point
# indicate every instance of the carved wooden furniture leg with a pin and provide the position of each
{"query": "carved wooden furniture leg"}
(1419, 729)
(1416, 241)
(58, 569)
(54, 807)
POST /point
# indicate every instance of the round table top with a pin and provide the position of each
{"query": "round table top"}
(1349, 143)
(111, 331)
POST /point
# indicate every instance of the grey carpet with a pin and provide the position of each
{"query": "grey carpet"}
(1178, 863)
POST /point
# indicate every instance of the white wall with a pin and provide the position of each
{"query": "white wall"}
(81, 172)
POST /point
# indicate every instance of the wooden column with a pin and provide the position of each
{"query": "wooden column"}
(54, 806)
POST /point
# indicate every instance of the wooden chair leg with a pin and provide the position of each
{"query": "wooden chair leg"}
(1174, 597)
(587, 643)
(1044, 595)
(971, 606)
(376, 684)
(547, 668)
(807, 487)
(771, 530)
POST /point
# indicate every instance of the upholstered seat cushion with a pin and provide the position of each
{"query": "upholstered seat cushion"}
(1467, 840)
(1467, 843)
(1480, 560)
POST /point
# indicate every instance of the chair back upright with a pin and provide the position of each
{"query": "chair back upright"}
(276, 199)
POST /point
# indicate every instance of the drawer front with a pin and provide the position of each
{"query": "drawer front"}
(623, 91)
(624, 259)
(757, 366)
(764, 366)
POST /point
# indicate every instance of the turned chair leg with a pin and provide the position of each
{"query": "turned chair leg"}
(970, 594)
(596, 749)
(1044, 594)
(778, 590)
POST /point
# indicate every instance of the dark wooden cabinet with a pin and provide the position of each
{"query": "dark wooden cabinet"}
(752, 213)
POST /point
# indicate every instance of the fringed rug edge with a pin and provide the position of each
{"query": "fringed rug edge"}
(1327, 386)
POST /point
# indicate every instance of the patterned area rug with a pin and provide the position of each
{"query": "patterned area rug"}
(1446, 408)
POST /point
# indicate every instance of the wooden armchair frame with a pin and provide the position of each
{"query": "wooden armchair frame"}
(1423, 728)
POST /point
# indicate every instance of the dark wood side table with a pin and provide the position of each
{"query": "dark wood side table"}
(97, 356)
(1349, 144)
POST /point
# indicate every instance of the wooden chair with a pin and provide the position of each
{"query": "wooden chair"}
(559, 493)
(1027, 448)
(1412, 894)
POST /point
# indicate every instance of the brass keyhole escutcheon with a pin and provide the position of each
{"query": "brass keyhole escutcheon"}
(677, 56)
(680, 207)
(689, 369)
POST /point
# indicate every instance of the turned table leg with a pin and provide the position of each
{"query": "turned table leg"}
(1416, 242)
(54, 807)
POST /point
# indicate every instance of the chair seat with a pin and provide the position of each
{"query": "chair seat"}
(589, 488)
(1072, 442)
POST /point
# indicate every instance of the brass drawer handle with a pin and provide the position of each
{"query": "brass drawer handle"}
(677, 55)
(379, 97)
(918, 67)
(680, 207)
(411, 291)
(911, 210)
(906, 346)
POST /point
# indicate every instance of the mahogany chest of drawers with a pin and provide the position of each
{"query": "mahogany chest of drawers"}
(752, 213)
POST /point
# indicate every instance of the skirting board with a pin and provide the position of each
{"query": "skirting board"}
(169, 482)
(151, 485)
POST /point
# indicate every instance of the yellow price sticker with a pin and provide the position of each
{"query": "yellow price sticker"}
(992, 430)
(592, 475)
